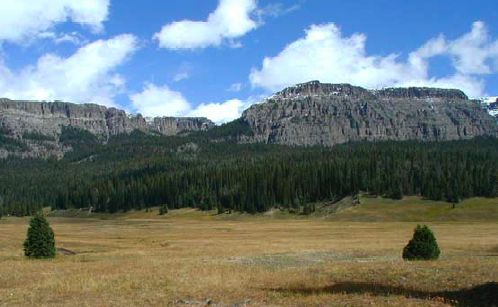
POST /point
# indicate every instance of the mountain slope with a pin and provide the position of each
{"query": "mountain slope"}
(327, 114)
(308, 114)
(36, 129)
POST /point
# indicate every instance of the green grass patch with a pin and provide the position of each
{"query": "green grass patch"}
(414, 209)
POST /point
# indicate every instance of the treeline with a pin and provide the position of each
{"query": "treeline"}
(138, 172)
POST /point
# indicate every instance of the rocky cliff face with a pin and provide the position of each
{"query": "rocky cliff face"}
(327, 114)
(178, 125)
(38, 125)
(312, 113)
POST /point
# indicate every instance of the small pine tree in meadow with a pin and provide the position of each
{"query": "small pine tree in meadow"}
(423, 245)
(307, 209)
(396, 192)
(221, 209)
(163, 210)
(40, 242)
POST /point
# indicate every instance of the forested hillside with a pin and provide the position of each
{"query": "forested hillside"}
(138, 171)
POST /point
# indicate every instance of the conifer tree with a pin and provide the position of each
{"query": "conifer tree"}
(40, 241)
(163, 210)
(306, 209)
(423, 245)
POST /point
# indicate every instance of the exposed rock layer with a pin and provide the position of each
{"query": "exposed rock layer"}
(306, 114)
(327, 114)
(19, 118)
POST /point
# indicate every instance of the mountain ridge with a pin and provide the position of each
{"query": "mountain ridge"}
(315, 113)
(317, 88)
(308, 114)
(19, 118)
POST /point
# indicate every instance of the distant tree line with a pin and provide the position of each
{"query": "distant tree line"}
(139, 172)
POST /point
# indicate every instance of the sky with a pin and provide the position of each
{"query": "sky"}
(214, 58)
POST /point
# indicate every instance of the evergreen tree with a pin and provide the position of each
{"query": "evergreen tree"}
(220, 208)
(138, 172)
(396, 191)
(1, 207)
(40, 241)
(306, 209)
(163, 210)
(423, 245)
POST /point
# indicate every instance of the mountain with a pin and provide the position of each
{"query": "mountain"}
(311, 113)
(314, 113)
(39, 129)
(111, 162)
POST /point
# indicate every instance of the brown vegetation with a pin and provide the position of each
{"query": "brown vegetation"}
(189, 257)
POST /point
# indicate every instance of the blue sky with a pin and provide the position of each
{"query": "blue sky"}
(214, 58)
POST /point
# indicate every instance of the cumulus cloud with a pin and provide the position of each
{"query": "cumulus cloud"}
(160, 101)
(325, 54)
(471, 52)
(220, 112)
(86, 76)
(231, 20)
(22, 20)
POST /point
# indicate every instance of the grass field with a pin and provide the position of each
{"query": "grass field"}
(352, 258)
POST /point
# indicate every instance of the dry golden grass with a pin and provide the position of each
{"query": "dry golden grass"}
(189, 257)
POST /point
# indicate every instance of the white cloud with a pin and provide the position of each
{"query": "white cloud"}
(276, 10)
(220, 112)
(182, 75)
(236, 87)
(471, 52)
(183, 72)
(86, 76)
(231, 20)
(59, 38)
(160, 101)
(325, 54)
(21, 20)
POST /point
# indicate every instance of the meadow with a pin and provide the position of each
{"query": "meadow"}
(349, 257)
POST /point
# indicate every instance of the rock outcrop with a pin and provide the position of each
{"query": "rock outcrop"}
(177, 125)
(21, 120)
(308, 114)
(327, 114)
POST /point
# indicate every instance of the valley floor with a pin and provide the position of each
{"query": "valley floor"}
(191, 258)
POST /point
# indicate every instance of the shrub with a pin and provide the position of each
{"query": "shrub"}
(40, 241)
(422, 246)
